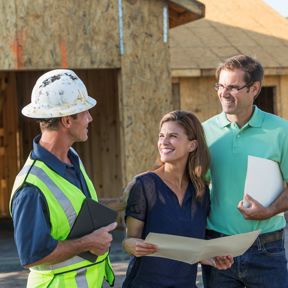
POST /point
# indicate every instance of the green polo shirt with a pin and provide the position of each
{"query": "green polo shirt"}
(265, 135)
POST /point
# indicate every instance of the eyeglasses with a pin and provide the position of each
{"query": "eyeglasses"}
(231, 88)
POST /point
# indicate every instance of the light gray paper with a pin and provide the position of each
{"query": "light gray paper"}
(192, 250)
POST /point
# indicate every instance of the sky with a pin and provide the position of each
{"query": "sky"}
(281, 6)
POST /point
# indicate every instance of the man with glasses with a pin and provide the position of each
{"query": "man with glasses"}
(242, 129)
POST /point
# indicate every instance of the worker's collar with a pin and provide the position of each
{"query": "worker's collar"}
(42, 154)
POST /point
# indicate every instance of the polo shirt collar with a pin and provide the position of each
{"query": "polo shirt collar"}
(257, 118)
(223, 121)
(40, 153)
(255, 121)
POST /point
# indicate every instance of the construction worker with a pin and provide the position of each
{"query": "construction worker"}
(51, 187)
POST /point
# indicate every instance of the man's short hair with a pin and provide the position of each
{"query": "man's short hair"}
(52, 123)
(253, 69)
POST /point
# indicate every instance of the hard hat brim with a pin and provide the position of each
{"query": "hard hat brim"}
(33, 111)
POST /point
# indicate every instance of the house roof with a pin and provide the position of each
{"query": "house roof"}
(184, 11)
(230, 28)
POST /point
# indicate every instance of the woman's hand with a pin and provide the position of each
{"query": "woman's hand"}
(138, 247)
(219, 262)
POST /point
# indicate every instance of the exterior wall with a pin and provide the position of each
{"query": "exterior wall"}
(41, 35)
(198, 96)
(145, 86)
(48, 34)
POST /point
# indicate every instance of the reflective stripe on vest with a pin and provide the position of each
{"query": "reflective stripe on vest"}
(69, 210)
(49, 183)
(81, 278)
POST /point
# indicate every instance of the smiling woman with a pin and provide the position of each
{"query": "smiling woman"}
(173, 199)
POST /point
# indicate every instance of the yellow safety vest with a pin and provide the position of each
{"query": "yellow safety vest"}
(64, 202)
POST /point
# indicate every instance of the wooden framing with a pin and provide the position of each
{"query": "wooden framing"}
(132, 86)
(9, 146)
(184, 11)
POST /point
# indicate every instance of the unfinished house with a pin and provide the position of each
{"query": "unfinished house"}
(120, 51)
(229, 28)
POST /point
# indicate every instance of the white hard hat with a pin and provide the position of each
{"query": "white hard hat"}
(58, 93)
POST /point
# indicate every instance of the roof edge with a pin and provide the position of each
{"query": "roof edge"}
(196, 72)
(184, 11)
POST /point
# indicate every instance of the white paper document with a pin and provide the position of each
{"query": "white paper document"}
(192, 250)
(264, 180)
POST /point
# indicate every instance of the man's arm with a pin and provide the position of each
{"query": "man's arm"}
(258, 212)
(33, 238)
(97, 242)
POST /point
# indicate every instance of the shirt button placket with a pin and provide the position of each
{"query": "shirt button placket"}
(236, 140)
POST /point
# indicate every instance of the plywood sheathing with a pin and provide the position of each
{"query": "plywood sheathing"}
(44, 34)
(145, 87)
(8, 43)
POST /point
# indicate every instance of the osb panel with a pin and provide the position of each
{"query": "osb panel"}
(199, 96)
(60, 34)
(146, 85)
(8, 43)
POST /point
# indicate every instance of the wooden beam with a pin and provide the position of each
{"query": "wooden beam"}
(186, 72)
(184, 11)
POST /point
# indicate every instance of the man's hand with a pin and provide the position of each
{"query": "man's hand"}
(255, 211)
(97, 242)
(100, 239)
(219, 262)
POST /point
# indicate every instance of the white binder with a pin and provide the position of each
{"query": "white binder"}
(264, 180)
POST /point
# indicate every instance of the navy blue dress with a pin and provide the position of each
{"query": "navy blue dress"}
(153, 202)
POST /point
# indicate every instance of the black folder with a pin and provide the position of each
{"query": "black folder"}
(92, 216)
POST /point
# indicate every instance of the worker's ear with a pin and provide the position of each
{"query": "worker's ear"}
(66, 121)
